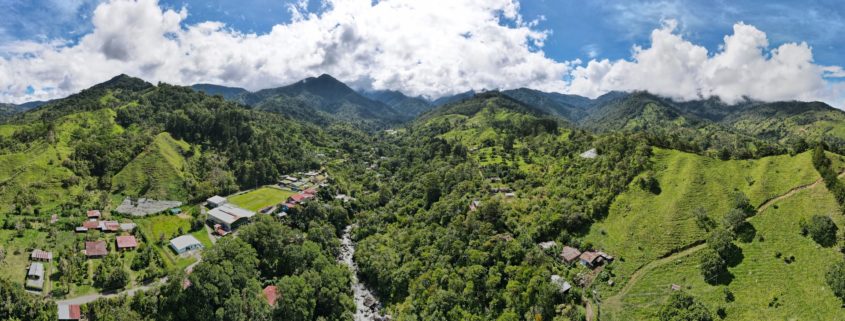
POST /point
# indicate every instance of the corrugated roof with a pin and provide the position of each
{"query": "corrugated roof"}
(569, 254)
(36, 269)
(69, 312)
(229, 213)
(97, 248)
(126, 241)
(184, 241)
(216, 199)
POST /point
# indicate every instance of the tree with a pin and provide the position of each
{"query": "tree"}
(298, 301)
(735, 219)
(110, 273)
(712, 266)
(835, 278)
(822, 230)
(683, 307)
(702, 220)
(721, 241)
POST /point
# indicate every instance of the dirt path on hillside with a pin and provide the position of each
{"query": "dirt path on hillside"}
(616, 300)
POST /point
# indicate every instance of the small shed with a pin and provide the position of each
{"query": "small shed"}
(270, 294)
(474, 205)
(547, 245)
(69, 312)
(96, 249)
(590, 258)
(185, 243)
(215, 201)
(569, 254)
(93, 214)
(39, 255)
(35, 276)
(126, 242)
(562, 285)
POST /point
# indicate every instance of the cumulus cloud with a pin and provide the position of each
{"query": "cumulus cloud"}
(744, 67)
(429, 48)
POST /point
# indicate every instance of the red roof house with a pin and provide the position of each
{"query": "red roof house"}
(296, 198)
(110, 226)
(590, 258)
(310, 191)
(69, 312)
(270, 294)
(39, 255)
(96, 249)
(126, 242)
(90, 225)
(94, 214)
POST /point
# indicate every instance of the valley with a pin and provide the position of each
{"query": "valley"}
(316, 202)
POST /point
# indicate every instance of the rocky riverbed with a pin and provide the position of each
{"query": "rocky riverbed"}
(366, 304)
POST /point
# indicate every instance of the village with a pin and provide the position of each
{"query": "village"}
(175, 231)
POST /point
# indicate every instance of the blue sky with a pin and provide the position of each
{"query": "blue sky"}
(50, 48)
(607, 28)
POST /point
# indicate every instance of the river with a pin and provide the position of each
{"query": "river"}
(366, 304)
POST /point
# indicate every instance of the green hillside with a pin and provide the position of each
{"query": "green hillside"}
(642, 226)
(158, 172)
(764, 286)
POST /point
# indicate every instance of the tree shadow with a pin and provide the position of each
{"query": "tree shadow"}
(725, 278)
(734, 257)
(746, 233)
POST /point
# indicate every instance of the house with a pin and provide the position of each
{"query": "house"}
(215, 201)
(35, 276)
(93, 214)
(126, 242)
(270, 294)
(287, 206)
(299, 198)
(605, 256)
(96, 249)
(474, 205)
(569, 254)
(229, 216)
(39, 255)
(590, 259)
(185, 243)
(88, 225)
(562, 285)
(310, 191)
(69, 312)
(109, 226)
(219, 230)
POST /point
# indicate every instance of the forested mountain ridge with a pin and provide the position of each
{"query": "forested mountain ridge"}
(409, 107)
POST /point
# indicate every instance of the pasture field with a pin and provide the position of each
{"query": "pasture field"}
(262, 197)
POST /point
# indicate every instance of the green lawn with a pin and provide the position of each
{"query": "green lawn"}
(641, 226)
(799, 287)
(153, 227)
(257, 199)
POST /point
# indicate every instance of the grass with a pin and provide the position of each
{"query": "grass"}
(153, 227)
(641, 226)
(760, 277)
(257, 199)
(157, 172)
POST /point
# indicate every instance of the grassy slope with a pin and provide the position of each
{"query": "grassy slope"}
(158, 172)
(642, 226)
(760, 277)
(38, 168)
(260, 198)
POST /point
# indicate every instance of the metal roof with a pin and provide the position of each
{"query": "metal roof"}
(184, 241)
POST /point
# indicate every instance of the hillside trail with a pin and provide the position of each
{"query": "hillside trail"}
(635, 277)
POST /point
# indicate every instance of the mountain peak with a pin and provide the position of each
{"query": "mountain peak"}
(124, 81)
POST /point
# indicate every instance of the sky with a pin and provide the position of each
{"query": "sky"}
(735, 50)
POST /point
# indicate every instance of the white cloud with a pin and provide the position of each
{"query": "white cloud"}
(431, 48)
(743, 67)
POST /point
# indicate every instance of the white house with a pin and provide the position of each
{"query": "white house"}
(229, 216)
(216, 201)
(185, 243)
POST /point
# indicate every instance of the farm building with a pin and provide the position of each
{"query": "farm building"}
(69, 312)
(96, 249)
(126, 242)
(215, 201)
(93, 214)
(270, 294)
(39, 255)
(229, 216)
(590, 258)
(185, 243)
(569, 254)
(35, 276)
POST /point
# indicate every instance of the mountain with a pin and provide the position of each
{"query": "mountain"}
(11, 109)
(126, 137)
(409, 107)
(226, 92)
(325, 95)
(453, 98)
